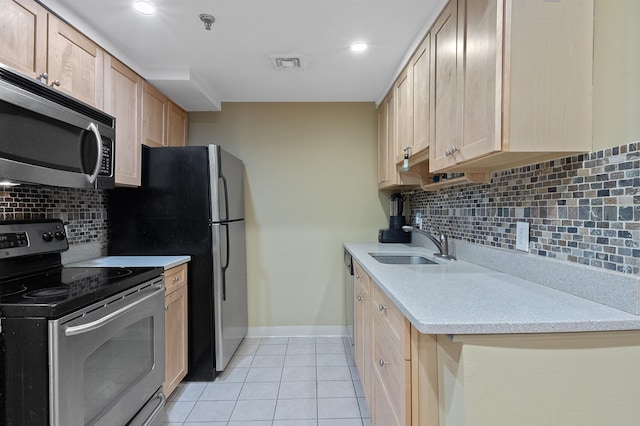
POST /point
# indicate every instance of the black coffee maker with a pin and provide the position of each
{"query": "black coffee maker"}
(395, 234)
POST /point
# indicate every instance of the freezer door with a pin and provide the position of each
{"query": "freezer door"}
(227, 187)
(230, 289)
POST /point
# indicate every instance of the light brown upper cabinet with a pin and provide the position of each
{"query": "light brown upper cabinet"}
(23, 36)
(75, 63)
(420, 66)
(444, 101)
(404, 113)
(123, 100)
(165, 123)
(39, 44)
(177, 125)
(511, 83)
(388, 175)
(155, 106)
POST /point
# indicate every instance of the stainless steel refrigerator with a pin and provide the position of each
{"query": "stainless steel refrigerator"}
(191, 202)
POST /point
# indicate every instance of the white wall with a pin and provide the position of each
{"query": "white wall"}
(310, 185)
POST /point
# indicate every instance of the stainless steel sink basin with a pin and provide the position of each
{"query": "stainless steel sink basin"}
(402, 259)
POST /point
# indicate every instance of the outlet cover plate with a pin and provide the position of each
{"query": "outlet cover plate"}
(522, 236)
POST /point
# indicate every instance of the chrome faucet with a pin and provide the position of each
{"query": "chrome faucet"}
(441, 241)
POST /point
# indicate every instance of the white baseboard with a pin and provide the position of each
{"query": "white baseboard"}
(297, 331)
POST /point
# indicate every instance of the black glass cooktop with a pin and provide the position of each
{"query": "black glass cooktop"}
(60, 291)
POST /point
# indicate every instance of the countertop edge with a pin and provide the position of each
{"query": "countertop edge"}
(165, 262)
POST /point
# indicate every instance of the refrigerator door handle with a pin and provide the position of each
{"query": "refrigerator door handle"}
(225, 264)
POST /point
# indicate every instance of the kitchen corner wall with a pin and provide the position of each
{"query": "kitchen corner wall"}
(310, 185)
(84, 211)
(583, 209)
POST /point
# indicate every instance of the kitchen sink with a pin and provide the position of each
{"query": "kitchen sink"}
(402, 259)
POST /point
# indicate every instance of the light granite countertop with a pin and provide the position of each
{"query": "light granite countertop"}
(459, 297)
(166, 262)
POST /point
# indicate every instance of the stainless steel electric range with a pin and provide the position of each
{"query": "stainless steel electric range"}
(78, 346)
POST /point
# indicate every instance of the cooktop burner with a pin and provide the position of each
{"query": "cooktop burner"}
(11, 289)
(48, 293)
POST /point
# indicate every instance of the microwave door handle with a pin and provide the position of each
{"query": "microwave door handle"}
(93, 128)
(93, 325)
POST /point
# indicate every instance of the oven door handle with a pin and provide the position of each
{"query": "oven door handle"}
(93, 325)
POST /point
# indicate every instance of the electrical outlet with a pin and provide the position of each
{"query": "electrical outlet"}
(522, 236)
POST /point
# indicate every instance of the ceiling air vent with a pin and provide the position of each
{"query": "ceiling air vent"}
(287, 62)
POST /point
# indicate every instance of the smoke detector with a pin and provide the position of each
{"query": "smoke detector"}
(290, 62)
(207, 20)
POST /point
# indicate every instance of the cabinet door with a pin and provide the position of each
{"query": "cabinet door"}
(404, 113)
(421, 70)
(154, 112)
(23, 36)
(175, 338)
(388, 175)
(445, 105)
(362, 328)
(75, 63)
(177, 124)
(482, 78)
(123, 100)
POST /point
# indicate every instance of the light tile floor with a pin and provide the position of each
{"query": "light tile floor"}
(277, 381)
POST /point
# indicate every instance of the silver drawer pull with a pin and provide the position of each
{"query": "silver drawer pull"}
(176, 279)
(358, 277)
(382, 362)
(382, 308)
(360, 298)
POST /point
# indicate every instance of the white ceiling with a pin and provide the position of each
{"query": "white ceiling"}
(199, 69)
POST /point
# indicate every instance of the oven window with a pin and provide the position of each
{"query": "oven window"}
(116, 366)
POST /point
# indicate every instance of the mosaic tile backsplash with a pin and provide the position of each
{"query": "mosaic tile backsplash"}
(84, 211)
(583, 209)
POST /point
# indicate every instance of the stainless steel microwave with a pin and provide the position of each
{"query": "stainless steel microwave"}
(50, 138)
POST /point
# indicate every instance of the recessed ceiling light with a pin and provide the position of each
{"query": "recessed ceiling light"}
(359, 46)
(144, 7)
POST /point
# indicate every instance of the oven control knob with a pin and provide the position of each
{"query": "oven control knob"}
(47, 236)
(59, 235)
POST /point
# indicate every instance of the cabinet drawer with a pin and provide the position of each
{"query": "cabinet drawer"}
(360, 276)
(398, 327)
(175, 278)
(393, 371)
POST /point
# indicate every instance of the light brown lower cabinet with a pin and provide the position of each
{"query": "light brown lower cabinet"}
(556, 379)
(395, 362)
(176, 364)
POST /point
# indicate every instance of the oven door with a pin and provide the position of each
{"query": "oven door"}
(107, 361)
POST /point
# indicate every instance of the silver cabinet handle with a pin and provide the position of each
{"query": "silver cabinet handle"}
(55, 83)
(360, 298)
(93, 128)
(176, 279)
(382, 308)
(358, 277)
(43, 77)
(166, 307)
(382, 362)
